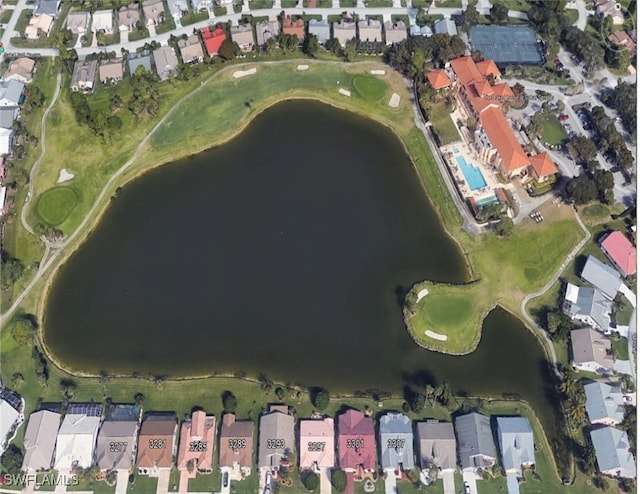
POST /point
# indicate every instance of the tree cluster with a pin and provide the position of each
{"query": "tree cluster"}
(608, 139)
(584, 46)
(624, 99)
(229, 402)
(145, 101)
(546, 18)
(559, 325)
(409, 56)
(588, 187)
(320, 398)
(41, 367)
(339, 480)
(288, 42)
(101, 123)
(12, 269)
(11, 459)
(23, 331)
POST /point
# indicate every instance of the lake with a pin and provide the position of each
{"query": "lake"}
(285, 252)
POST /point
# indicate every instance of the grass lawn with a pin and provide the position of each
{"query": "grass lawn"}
(260, 4)
(193, 17)
(519, 5)
(55, 205)
(23, 20)
(288, 4)
(142, 484)
(449, 4)
(623, 312)
(219, 11)
(369, 87)
(378, 3)
(6, 16)
(553, 132)
(620, 347)
(346, 4)
(168, 25)
(138, 34)
(443, 125)
(571, 15)
(417, 4)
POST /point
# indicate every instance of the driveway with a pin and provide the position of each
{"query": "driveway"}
(325, 481)
(449, 482)
(470, 478)
(225, 471)
(163, 482)
(124, 37)
(122, 481)
(390, 485)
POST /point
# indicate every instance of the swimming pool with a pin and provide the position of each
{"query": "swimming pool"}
(472, 174)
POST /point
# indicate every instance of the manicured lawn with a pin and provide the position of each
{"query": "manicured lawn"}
(571, 15)
(55, 205)
(23, 20)
(443, 125)
(449, 4)
(378, 3)
(621, 348)
(623, 312)
(595, 211)
(168, 25)
(260, 4)
(193, 17)
(138, 34)
(220, 10)
(288, 4)
(417, 4)
(519, 5)
(369, 87)
(346, 4)
(553, 132)
(143, 484)
(6, 16)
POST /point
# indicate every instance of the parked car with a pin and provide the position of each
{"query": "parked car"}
(467, 488)
(562, 117)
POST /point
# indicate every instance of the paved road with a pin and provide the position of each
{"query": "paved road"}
(632, 342)
(581, 23)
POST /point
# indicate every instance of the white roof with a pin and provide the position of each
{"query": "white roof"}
(8, 417)
(612, 452)
(604, 402)
(76, 441)
(572, 293)
(5, 140)
(40, 440)
(103, 20)
(516, 442)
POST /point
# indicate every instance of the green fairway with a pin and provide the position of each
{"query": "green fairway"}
(55, 205)
(553, 132)
(369, 87)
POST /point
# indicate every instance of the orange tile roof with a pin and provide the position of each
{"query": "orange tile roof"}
(197, 442)
(214, 42)
(483, 88)
(438, 79)
(488, 67)
(502, 138)
(543, 165)
(503, 90)
(466, 70)
(293, 27)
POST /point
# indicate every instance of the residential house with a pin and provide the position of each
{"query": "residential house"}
(153, 12)
(516, 444)
(415, 30)
(236, 446)
(39, 25)
(438, 79)
(591, 351)
(356, 443)
(293, 27)
(78, 22)
(11, 408)
(8, 115)
(157, 443)
(610, 8)
(197, 443)
(21, 70)
(6, 141)
(620, 38)
(437, 443)
(317, 450)
(11, 93)
(395, 32)
(476, 448)
(213, 39)
(344, 32)
(117, 444)
(613, 453)
(166, 62)
(276, 442)
(243, 36)
(191, 50)
(603, 277)
(48, 7)
(588, 305)
(370, 30)
(84, 75)
(128, 17)
(40, 440)
(396, 444)
(141, 59)
(605, 403)
(266, 30)
(177, 9)
(202, 5)
(620, 251)
(542, 167)
(77, 436)
(445, 26)
(494, 141)
(111, 71)
(321, 29)
(103, 22)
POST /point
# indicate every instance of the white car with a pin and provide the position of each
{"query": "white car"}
(467, 488)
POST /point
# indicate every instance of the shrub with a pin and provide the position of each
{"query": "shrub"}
(339, 480)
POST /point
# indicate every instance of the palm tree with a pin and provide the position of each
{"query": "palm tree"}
(568, 386)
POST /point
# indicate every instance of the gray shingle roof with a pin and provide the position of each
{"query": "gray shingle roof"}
(49, 7)
(321, 29)
(396, 441)
(40, 440)
(583, 302)
(612, 452)
(516, 442)
(587, 345)
(475, 440)
(445, 26)
(116, 445)
(11, 91)
(276, 438)
(8, 115)
(139, 59)
(604, 402)
(603, 277)
(437, 444)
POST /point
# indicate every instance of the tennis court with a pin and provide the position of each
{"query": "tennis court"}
(507, 44)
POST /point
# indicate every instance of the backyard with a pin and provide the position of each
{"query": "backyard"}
(443, 126)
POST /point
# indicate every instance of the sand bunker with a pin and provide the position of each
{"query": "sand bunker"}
(65, 176)
(422, 294)
(436, 336)
(378, 72)
(303, 67)
(242, 73)
(394, 102)
(344, 91)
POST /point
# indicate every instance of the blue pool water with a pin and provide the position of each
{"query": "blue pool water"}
(472, 175)
(456, 150)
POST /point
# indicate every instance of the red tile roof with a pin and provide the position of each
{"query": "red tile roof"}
(502, 138)
(156, 442)
(214, 40)
(356, 441)
(543, 165)
(466, 70)
(438, 79)
(621, 251)
(197, 442)
(206, 33)
(293, 27)
(487, 68)
(503, 90)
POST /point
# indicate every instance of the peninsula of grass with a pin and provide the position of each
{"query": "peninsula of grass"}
(55, 205)
(369, 87)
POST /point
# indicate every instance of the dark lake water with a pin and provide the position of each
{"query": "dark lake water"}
(284, 252)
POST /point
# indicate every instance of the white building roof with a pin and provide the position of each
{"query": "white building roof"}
(612, 452)
(76, 441)
(603, 277)
(8, 417)
(604, 402)
(516, 442)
